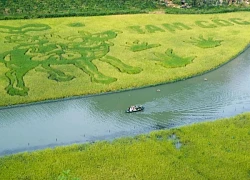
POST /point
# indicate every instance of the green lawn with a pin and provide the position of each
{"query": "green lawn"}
(43, 59)
(210, 150)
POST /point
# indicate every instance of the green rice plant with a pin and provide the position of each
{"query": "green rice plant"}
(76, 24)
(171, 60)
(121, 66)
(39, 51)
(209, 150)
(205, 43)
(91, 55)
(65, 176)
(140, 46)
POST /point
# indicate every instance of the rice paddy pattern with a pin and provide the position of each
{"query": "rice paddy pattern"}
(171, 60)
(205, 43)
(49, 50)
(140, 46)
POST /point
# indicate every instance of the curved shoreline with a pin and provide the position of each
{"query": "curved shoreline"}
(159, 150)
(117, 91)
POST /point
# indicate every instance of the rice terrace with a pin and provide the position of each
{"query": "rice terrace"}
(44, 59)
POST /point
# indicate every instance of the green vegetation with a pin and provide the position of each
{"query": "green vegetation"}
(140, 46)
(79, 51)
(65, 175)
(213, 9)
(92, 55)
(16, 9)
(210, 150)
(205, 43)
(27, 9)
(171, 60)
(80, 56)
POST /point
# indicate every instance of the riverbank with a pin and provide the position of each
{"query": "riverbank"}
(151, 53)
(102, 117)
(211, 150)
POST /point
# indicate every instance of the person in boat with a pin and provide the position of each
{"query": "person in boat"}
(132, 108)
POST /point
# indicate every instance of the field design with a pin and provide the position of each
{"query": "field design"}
(79, 51)
(76, 24)
(171, 60)
(43, 59)
(140, 46)
(205, 43)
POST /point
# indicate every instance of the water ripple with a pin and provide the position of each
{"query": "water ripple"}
(225, 93)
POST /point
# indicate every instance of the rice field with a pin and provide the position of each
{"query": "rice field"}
(210, 150)
(44, 59)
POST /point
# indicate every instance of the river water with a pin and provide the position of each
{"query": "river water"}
(225, 93)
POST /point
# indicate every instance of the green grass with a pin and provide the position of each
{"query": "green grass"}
(43, 59)
(210, 150)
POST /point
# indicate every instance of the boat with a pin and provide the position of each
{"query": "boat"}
(135, 109)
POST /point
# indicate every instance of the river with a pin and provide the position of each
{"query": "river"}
(225, 93)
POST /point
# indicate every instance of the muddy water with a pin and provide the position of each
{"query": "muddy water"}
(225, 93)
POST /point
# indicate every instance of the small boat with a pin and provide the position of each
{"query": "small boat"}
(134, 109)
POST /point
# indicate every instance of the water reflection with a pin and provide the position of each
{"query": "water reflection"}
(225, 93)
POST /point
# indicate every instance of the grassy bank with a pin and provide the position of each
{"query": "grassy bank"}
(55, 58)
(211, 150)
